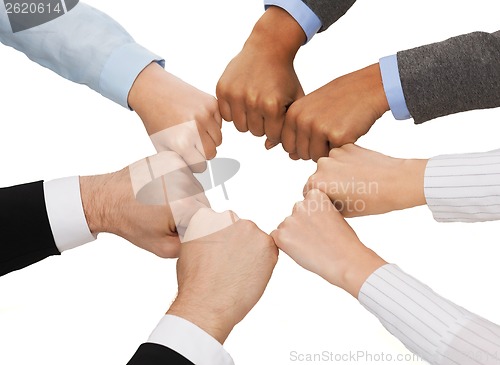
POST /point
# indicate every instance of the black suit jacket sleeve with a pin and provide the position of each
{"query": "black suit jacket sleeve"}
(26, 236)
(152, 354)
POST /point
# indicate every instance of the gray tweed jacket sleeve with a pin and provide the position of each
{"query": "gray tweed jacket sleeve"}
(456, 75)
(329, 11)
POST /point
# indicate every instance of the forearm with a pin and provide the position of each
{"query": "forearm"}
(464, 187)
(459, 74)
(102, 203)
(432, 327)
(85, 46)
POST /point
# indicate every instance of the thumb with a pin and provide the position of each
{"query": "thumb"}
(317, 200)
(270, 144)
(275, 235)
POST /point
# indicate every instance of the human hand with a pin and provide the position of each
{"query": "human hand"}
(222, 276)
(317, 237)
(260, 83)
(149, 203)
(362, 182)
(164, 101)
(338, 113)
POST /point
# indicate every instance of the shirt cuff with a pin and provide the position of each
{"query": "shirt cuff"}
(306, 18)
(122, 68)
(464, 187)
(393, 88)
(65, 211)
(190, 341)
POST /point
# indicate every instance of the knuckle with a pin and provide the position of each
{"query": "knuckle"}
(323, 163)
(304, 123)
(210, 153)
(220, 90)
(296, 207)
(212, 105)
(271, 106)
(312, 181)
(247, 225)
(318, 127)
(333, 152)
(183, 144)
(252, 100)
(340, 136)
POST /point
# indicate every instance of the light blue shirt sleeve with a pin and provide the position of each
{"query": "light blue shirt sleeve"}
(85, 46)
(393, 88)
(306, 18)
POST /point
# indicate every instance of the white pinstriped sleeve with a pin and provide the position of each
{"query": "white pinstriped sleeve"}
(464, 188)
(430, 326)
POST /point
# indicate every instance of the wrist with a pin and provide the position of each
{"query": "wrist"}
(99, 204)
(278, 32)
(361, 264)
(145, 97)
(136, 94)
(412, 180)
(91, 203)
(200, 314)
(376, 87)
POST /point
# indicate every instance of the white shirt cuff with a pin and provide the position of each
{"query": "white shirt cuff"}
(464, 187)
(190, 341)
(121, 70)
(65, 211)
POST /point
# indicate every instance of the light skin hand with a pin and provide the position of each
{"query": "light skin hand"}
(222, 276)
(317, 237)
(338, 113)
(260, 83)
(148, 220)
(162, 101)
(364, 182)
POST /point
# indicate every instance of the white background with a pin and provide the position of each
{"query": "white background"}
(98, 303)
